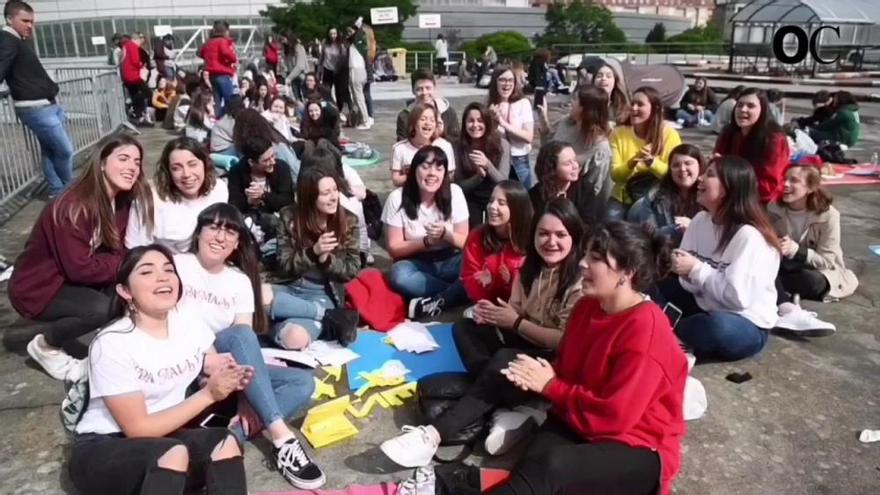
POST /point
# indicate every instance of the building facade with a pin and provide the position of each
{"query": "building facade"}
(697, 12)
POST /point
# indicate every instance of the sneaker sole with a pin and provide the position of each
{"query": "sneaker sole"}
(509, 438)
(308, 485)
(812, 332)
(411, 309)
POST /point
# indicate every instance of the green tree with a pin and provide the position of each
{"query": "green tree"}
(310, 20)
(581, 21)
(657, 34)
(710, 33)
(505, 43)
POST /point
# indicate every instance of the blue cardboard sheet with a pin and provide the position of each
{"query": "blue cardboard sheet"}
(373, 354)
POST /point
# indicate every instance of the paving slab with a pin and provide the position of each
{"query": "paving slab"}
(792, 429)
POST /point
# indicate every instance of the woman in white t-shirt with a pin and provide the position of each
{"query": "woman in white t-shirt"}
(726, 267)
(277, 116)
(513, 111)
(184, 184)
(318, 249)
(426, 226)
(132, 438)
(221, 283)
(423, 130)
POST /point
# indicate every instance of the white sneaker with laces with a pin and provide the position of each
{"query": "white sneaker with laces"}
(424, 307)
(421, 483)
(297, 467)
(54, 362)
(414, 448)
(799, 321)
(508, 429)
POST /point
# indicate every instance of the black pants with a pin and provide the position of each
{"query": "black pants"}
(103, 464)
(368, 99)
(340, 88)
(477, 344)
(140, 97)
(559, 461)
(799, 278)
(74, 312)
(490, 390)
(441, 67)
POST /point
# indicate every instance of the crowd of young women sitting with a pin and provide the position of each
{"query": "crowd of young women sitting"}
(549, 274)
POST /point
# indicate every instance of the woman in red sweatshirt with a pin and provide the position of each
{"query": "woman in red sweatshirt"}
(220, 61)
(68, 267)
(616, 387)
(755, 136)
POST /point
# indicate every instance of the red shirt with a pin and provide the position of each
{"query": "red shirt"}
(771, 171)
(219, 56)
(131, 63)
(63, 253)
(476, 259)
(620, 378)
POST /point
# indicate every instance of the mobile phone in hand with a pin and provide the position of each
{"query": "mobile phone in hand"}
(215, 421)
(539, 97)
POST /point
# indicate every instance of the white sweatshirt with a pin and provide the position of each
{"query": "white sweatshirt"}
(741, 279)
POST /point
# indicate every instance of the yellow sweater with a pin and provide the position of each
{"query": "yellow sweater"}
(625, 145)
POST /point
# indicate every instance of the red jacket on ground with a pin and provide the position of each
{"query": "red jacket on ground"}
(131, 63)
(63, 253)
(219, 56)
(620, 378)
(771, 171)
(476, 259)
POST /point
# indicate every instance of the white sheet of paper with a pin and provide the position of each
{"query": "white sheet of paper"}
(295, 356)
(411, 336)
(331, 353)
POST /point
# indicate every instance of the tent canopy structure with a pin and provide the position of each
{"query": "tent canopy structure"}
(809, 12)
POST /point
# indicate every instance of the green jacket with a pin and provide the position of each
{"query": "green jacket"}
(843, 126)
(342, 266)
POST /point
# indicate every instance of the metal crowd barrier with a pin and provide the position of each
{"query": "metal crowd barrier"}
(95, 107)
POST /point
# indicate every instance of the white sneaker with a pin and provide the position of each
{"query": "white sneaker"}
(77, 370)
(508, 429)
(421, 483)
(799, 321)
(414, 448)
(370, 121)
(54, 362)
(364, 127)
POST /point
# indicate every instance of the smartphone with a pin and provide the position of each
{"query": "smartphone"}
(539, 97)
(673, 313)
(215, 421)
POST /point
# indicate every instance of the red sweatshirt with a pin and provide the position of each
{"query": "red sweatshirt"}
(770, 172)
(620, 378)
(219, 56)
(58, 254)
(131, 63)
(476, 259)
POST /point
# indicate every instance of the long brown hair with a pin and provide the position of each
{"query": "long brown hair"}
(619, 101)
(490, 143)
(758, 143)
(162, 180)
(494, 96)
(521, 213)
(306, 227)
(655, 124)
(545, 168)
(683, 204)
(87, 197)
(818, 199)
(594, 115)
(416, 114)
(740, 205)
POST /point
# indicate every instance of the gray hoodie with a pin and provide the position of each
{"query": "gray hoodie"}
(451, 124)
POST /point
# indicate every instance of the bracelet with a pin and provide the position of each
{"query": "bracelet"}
(517, 323)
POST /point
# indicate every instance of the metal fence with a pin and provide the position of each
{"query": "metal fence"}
(416, 60)
(95, 107)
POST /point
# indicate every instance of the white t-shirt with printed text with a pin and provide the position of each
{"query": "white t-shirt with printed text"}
(216, 297)
(394, 215)
(124, 359)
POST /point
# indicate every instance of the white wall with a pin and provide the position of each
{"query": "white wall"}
(55, 10)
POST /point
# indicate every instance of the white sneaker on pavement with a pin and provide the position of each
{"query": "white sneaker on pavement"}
(508, 429)
(54, 362)
(414, 448)
(798, 321)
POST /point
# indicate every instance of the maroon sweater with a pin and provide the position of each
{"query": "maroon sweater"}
(63, 253)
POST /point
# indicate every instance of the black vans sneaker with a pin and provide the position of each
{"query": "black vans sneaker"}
(296, 466)
(341, 324)
(425, 307)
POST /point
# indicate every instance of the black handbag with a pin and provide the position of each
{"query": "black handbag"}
(439, 392)
(373, 215)
(640, 185)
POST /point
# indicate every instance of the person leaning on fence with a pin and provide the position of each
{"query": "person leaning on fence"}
(33, 93)
(65, 274)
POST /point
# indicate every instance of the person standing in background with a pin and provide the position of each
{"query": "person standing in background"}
(441, 54)
(131, 68)
(33, 94)
(296, 59)
(357, 74)
(220, 62)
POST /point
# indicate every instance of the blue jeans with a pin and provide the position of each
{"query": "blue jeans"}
(521, 170)
(224, 90)
(275, 392)
(692, 119)
(711, 334)
(429, 275)
(616, 211)
(302, 303)
(47, 123)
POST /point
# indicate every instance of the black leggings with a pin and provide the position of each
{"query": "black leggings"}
(490, 390)
(140, 97)
(102, 464)
(477, 344)
(559, 461)
(799, 278)
(74, 312)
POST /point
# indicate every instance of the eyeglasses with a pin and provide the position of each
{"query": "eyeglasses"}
(215, 229)
(506, 80)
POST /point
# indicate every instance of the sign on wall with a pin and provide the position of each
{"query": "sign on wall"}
(383, 15)
(161, 30)
(429, 21)
(98, 40)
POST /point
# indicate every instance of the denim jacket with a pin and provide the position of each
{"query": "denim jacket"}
(655, 208)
